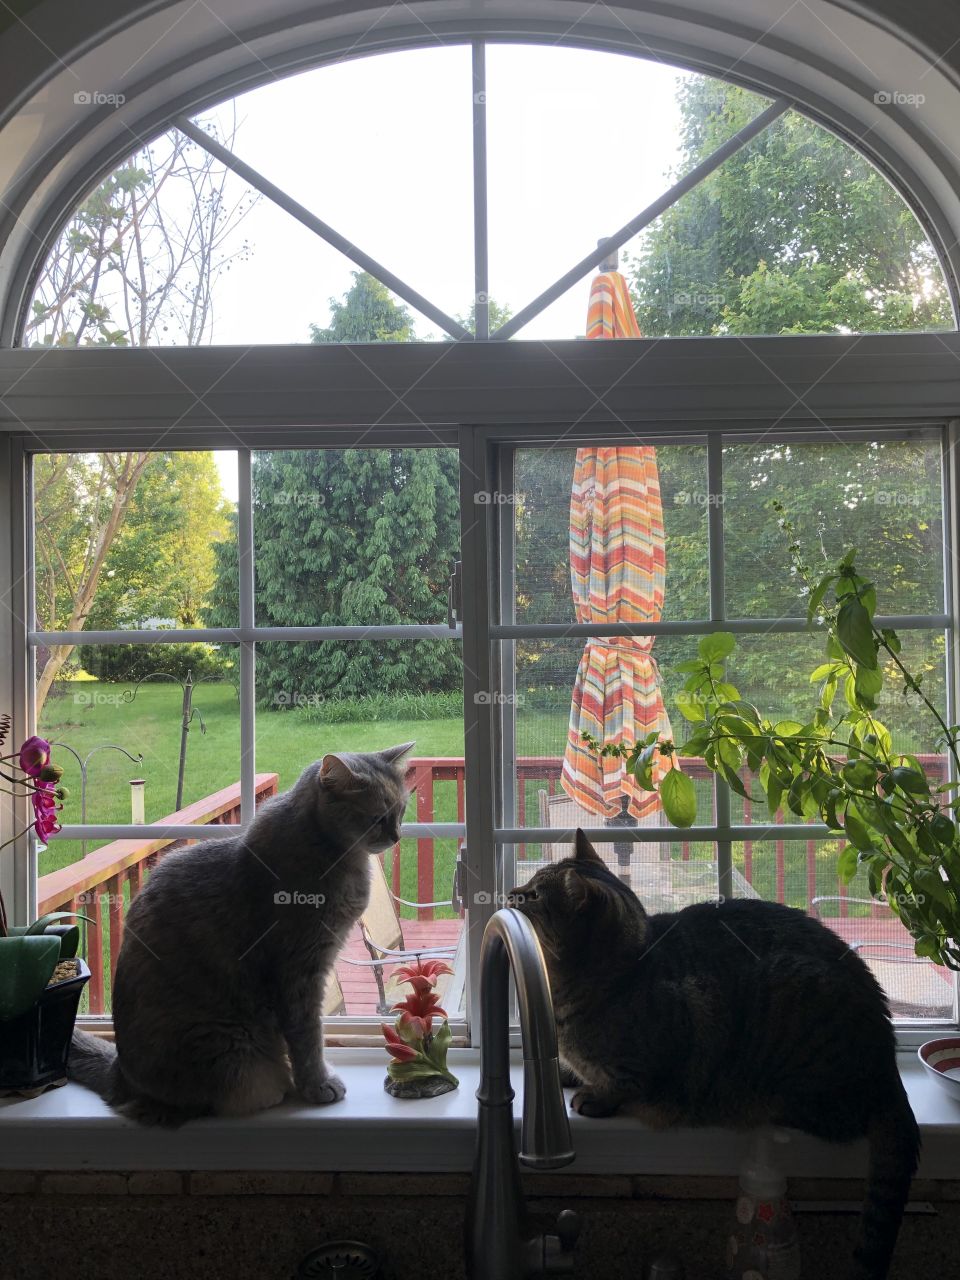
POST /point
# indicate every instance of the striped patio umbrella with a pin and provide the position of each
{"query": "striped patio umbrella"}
(617, 570)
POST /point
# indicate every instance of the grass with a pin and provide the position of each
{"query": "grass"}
(97, 715)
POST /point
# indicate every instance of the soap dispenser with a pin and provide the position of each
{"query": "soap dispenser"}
(762, 1244)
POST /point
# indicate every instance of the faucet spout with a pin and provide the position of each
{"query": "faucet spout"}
(498, 1245)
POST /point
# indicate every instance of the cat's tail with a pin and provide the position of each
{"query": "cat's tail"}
(894, 1155)
(93, 1062)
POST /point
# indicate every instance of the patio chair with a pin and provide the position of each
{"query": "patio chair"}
(382, 933)
(333, 1001)
(912, 983)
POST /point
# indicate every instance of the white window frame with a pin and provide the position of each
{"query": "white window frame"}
(666, 389)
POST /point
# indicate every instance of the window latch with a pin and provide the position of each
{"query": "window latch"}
(455, 596)
(456, 898)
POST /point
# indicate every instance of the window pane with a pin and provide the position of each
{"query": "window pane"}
(128, 541)
(538, 717)
(120, 740)
(795, 233)
(655, 499)
(395, 174)
(355, 537)
(802, 874)
(665, 877)
(884, 499)
(305, 712)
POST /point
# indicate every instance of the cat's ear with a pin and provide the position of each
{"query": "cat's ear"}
(393, 755)
(580, 890)
(584, 850)
(336, 774)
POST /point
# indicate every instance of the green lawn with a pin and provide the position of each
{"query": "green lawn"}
(97, 715)
(286, 742)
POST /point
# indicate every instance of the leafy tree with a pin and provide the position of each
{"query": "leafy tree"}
(351, 537)
(796, 233)
(162, 563)
(135, 265)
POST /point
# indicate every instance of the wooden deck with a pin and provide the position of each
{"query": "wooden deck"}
(359, 984)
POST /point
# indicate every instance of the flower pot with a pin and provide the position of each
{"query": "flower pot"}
(34, 1046)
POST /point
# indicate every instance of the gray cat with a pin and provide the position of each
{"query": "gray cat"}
(219, 985)
(742, 1014)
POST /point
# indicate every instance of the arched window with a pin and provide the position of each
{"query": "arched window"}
(289, 474)
(389, 198)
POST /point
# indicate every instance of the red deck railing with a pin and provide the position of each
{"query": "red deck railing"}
(110, 874)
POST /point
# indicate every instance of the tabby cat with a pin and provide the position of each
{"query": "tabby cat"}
(219, 986)
(740, 1014)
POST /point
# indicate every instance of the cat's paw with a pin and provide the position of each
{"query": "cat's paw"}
(587, 1103)
(323, 1092)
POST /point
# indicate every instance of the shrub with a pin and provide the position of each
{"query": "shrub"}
(126, 664)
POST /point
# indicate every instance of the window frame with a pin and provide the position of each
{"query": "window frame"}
(722, 832)
(715, 386)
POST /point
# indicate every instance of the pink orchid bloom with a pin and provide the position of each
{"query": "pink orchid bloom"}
(45, 810)
(34, 755)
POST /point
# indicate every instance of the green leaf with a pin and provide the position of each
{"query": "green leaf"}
(847, 864)
(910, 780)
(857, 773)
(696, 744)
(679, 798)
(857, 833)
(817, 595)
(717, 646)
(943, 829)
(40, 924)
(27, 963)
(867, 685)
(856, 633)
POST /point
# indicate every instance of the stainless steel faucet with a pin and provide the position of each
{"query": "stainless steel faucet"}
(499, 1243)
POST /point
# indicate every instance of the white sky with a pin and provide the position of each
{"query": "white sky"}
(578, 142)
(380, 147)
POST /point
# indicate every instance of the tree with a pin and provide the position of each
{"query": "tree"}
(796, 233)
(367, 313)
(362, 537)
(135, 265)
(162, 564)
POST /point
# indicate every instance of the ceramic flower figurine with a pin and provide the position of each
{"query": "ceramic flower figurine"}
(419, 1057)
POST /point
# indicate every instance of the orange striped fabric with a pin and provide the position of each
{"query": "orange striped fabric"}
(617, 572)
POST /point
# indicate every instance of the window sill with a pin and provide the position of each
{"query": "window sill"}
(369, 1131)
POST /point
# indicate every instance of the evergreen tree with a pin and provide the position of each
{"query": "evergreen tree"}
(351, 537)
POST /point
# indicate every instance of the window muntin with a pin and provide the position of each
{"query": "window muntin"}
(794, 233)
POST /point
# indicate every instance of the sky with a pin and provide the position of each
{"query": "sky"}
(578, 142)
(380, 147)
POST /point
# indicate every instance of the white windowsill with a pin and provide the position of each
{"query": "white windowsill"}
(70, 1128)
